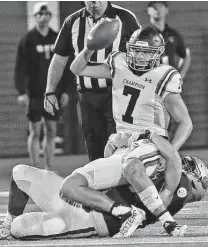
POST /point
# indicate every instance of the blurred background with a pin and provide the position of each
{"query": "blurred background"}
(189, 18)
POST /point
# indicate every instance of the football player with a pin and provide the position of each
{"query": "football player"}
(61, 220)
(145, 95)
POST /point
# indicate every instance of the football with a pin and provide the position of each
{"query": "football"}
(102, 34)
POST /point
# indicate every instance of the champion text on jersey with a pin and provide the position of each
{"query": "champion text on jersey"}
(133, 83)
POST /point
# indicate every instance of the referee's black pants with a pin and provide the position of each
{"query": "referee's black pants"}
(97, 120)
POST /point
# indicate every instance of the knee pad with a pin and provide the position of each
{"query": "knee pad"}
(18, 172)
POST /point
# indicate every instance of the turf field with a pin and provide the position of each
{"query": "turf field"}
(195, 215)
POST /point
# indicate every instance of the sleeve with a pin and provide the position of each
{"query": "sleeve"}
(110, 61)
(21, 77)
(180, 46)
(63, 45)
(173, 84)
(130, 25)
(68, 81)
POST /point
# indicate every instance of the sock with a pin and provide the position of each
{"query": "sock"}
(17, 199)
(151, 198)
(165, 216)
(119, 210)
(8, 220)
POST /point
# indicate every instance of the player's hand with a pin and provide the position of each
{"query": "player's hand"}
(64, 99)
(23, 100)
(51, 103)
(109, 149)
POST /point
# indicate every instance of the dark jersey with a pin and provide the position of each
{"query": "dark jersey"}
(125, 196)
(73, 35)
(34, 55)
(175, 47)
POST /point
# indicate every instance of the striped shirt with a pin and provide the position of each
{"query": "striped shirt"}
(73, 36)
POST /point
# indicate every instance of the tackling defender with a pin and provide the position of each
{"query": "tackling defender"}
(61, 220)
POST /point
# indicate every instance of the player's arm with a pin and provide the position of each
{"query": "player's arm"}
(55, 71)
(186, 63)
(173, 167)
(184, 53)
(83, 67)
(20, 75)
(63, 49)
(179, 112)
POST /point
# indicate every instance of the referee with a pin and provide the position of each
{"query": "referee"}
(95, 95)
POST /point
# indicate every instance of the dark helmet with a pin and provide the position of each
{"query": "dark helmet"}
(144, 49)
(195, 166)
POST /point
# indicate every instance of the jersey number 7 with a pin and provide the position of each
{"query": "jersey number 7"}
(132, 102)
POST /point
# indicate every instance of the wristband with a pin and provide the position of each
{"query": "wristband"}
(49, 94)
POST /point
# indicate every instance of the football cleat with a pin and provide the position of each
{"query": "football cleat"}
(5, 227)
(131, 221)
(173, 229)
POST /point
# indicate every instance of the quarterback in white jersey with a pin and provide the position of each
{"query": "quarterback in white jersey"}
(139, 101)
(144, 94)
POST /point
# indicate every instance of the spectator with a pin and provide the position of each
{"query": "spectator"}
(95, 98)
(176, 53)
(34, 54)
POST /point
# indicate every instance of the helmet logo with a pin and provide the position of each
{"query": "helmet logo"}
(157, 40)
(171, 39)
(182, 192)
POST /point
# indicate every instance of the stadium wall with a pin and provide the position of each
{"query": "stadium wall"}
(190, 18)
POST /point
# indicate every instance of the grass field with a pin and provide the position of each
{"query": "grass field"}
(195, 215)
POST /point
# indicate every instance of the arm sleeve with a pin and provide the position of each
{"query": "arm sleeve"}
(21, 77)
(174, 84)
(110, 61)
(63, 45)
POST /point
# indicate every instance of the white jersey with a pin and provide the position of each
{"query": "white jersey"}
(138, 101)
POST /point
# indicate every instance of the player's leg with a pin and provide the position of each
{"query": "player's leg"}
(83, 183)
(92, 126)
(70, 222)
(33, 142)
(135, 172)
(42, 186)
(107, 124)
(100, 174)
(108, 114)
(48, 142)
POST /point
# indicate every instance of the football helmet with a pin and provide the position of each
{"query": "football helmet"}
(195, 166)
(144, 49)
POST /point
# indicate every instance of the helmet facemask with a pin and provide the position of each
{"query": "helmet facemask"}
(142, 57)
(197, 168)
